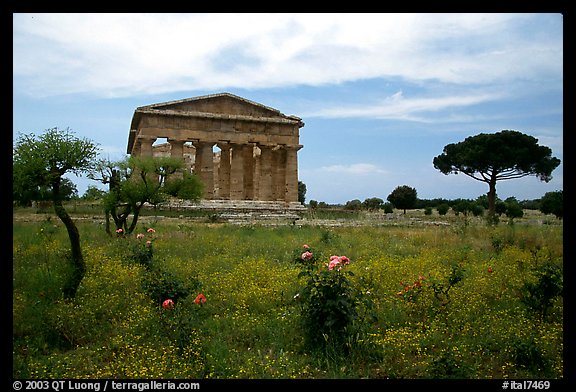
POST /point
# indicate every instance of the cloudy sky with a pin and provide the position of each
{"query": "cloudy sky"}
(380, 94)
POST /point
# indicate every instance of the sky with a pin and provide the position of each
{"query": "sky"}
(380, 94)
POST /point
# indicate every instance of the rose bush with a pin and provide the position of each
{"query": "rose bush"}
(328, 301)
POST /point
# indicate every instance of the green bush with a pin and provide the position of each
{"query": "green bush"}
(548, 283)
(329, 304)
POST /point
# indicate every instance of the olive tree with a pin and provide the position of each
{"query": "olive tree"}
(493, 157)
(136, 181)
(42, 161)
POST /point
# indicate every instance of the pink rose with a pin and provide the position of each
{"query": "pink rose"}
(168, 304)
(306, 256)
(333, 264)
(338, 261)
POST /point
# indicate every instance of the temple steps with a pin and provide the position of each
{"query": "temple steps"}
(242, 210)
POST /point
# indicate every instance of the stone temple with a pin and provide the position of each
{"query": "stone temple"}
(242, 151)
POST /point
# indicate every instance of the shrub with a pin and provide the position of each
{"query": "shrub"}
(162, 285)
(527, 354)
(443, 209)
(442, 287)
(159, 283)
(540, 293)
(329, 304)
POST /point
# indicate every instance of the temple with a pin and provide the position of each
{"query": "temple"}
(240, 149)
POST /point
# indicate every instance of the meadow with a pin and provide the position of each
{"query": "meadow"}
(460, 300)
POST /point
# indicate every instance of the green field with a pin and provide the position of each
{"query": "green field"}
(487, 303)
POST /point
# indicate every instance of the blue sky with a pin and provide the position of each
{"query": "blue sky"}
(380, 94)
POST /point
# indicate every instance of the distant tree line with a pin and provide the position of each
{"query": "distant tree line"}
(405, 198)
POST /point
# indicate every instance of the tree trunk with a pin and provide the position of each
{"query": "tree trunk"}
(107, 213)
(492, 200)
(77, 261)
(136, 209)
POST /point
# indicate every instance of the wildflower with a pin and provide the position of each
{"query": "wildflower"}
(119, 231)
(306, 256)
(151, 230)
(490, 269)
(305, 246)
(200, 299)
(168, 304)
(139, 236)
(148, 243)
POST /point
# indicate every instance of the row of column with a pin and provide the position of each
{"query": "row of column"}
(237, 174)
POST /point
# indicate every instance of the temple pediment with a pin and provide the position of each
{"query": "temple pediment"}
(216, 104)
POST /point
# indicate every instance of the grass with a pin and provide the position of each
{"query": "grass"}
(477, 326)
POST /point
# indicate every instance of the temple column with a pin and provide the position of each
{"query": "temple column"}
(291, 177)
(204, 167)
(176, 148)
(224, 171)
(177, 151)
(249, 171)
(136, 149)
(146, 145)
(279, 178)
(237, 172)
(266, 170)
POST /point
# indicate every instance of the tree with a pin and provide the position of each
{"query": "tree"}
(24, 193)
(301, 192)
(513, 209)
(354, 205)
(373, 203)
(403, 197)
(552, 203)
(498, 156)
(93, 193)
(135, 181)
(41, 162)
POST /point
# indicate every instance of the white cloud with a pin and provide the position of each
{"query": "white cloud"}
(355, 168)
(398, 107)
(129, 54)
